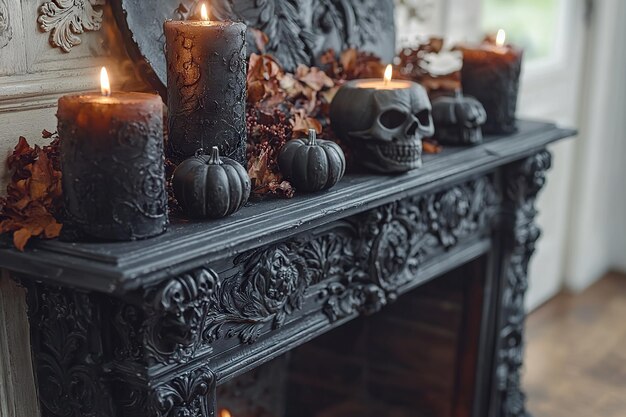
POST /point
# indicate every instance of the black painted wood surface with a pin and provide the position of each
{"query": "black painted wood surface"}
(118, 267)
(151, 327)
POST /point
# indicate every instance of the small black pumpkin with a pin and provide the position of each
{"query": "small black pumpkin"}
(311, 164)
(210, 186)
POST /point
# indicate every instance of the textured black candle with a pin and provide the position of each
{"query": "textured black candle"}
(491, 74)
(113, 165)
(206, 85)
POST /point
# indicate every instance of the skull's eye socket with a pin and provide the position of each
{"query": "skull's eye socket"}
(392, 119)
(423, 117)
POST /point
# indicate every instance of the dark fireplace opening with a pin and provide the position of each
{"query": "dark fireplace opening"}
(417, 357)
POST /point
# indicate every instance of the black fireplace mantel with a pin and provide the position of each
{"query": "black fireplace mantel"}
(149, 328)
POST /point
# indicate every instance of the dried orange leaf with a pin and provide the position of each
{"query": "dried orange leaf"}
(21, 238)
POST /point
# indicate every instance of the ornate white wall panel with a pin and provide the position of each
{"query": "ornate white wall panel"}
(12, 43)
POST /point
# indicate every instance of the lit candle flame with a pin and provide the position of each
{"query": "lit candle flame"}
(387, 76)
(204, 14)
(500, 37)
(105, 86)
(225, 413)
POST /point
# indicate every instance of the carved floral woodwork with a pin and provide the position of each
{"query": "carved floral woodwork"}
(524, 179)
(185, 395)
(356, 267)
(67, 19)
(65, 334)
(97, 355)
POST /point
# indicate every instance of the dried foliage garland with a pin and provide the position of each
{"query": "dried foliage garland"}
(280, 106)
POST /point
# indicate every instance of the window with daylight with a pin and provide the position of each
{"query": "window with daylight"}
(529, 24)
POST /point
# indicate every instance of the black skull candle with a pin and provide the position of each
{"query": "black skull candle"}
(113, 164)
(383, 121)
(458, 119)
(206, 87)
(491, 73)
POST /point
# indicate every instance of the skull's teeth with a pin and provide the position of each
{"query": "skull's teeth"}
(401, 153)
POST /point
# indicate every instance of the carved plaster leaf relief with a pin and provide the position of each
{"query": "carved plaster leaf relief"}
(66, 19)
(422, 10)
(6, 30)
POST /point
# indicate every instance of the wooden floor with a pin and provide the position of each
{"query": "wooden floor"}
(576, 353)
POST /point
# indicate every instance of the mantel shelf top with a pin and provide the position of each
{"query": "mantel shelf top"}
(121, 266)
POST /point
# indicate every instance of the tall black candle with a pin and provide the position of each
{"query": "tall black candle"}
(113, 165)
(491, 74)
(206, 84)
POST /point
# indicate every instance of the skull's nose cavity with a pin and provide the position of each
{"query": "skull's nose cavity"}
(412, 129)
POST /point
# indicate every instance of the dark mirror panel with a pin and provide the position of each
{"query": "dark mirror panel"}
(298, 31)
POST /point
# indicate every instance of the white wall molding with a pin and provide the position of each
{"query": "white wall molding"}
(41, 90)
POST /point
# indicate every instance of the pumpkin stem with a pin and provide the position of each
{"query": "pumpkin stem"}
(458, 94)
(312, 137)
(214, 159)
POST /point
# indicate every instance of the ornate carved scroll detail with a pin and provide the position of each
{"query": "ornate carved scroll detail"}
(190, 394)
(177, 311)
(65, 331)
(270, 285)
(6, 30)
(524, 180)
(391, 243)
(357, 266)
(189, 312)
(167, 324)
(66, 19)
(186, 395)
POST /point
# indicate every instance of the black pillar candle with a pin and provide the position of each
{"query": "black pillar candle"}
(113, 165)
(206, 84)
(491, 74)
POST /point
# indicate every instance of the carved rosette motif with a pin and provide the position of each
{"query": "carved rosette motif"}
(357, 266)
(393, 241)
(269, 286)
(524, 180)
(66, 19)
(67, 347)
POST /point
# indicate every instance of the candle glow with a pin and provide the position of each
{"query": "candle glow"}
(500, 37)
(105, 86)
(204, 14)
(225, 413)
(387, 76)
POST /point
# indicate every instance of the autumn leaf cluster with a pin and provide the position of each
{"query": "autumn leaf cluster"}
(32, 204)
(284, 105)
